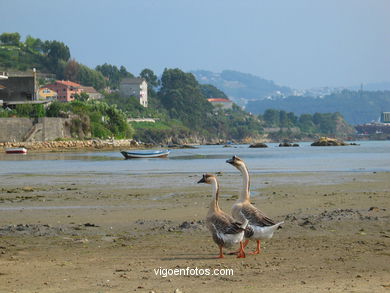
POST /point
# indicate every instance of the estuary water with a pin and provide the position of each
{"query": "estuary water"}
(368, 156)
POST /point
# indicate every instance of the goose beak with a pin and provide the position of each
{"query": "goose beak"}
(230, 161)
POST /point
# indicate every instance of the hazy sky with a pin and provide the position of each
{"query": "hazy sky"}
(298, 43)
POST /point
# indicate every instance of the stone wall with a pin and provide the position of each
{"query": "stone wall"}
(74, 145)
(30, 129)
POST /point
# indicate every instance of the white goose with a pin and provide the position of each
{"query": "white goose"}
(225, 230)
(260, 227)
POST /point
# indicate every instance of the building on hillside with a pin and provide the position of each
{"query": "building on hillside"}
(377, 128)
(136, 87)
(3, 75)
(18, 87)
(45, 93)
(220, 102)
(65, 89)
(385, 117)
(92, 93)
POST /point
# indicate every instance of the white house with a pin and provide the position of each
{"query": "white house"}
(136, 87)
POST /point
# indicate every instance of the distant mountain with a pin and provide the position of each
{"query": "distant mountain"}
(241, 87)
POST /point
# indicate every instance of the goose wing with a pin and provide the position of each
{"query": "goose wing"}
(225, 224)
(255, 216)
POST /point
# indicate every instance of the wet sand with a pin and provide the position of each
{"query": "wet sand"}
(104, 233)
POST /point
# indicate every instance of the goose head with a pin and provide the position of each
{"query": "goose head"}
(207, 178)
(236, 162)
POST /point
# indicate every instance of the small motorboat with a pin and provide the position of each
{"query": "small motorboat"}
(16, 150)
(145, 154)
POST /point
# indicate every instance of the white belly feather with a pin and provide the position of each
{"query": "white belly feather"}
(231, 239)
(265, 232)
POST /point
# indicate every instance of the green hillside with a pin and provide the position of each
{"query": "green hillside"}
(177, 101)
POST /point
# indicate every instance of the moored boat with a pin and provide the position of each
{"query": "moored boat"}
(145, 154)
(16, 150)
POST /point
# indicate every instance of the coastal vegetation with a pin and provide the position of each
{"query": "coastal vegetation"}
(357, 107)
(176, 101)
(306, 125)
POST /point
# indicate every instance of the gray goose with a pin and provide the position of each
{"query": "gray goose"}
(260, 226)
(225, 230)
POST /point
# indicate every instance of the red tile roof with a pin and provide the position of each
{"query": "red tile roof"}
(68, 83)
(219, 100)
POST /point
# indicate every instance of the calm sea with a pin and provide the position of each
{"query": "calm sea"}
(368, 156)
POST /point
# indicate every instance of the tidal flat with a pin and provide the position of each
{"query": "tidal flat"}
(108, 233)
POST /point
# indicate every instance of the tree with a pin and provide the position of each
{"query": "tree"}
(272, 117)
(150, 77)
(90, 77)
(34, 44)
(113, 74)
(83, 97)
(210, 91)
(306, 123)
(10, 39)
(30, 110)
(57, 50)
(283, 119)
(124, 73)
(180, 94)
(71, 71)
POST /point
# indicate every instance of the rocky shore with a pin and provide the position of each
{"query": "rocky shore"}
(71, 145)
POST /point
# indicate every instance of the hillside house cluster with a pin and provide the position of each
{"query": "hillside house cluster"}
(65, 90)
(22, 88)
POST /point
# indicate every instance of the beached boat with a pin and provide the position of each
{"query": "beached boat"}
(145, 154)
(16, 150)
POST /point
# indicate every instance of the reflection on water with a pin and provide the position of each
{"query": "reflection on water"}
(368, 156)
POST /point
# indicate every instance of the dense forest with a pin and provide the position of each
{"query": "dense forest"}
(177, 101)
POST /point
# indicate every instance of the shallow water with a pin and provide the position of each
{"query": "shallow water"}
(369, 156)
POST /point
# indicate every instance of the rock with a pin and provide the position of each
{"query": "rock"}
(90, 225)
(28, 189)
(177, 290)
(327, 141)
(288, 144)
(258, 145)
(185, 225)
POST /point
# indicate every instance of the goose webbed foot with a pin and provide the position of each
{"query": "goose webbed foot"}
(258, 248)
(237, 252)
(241, 253)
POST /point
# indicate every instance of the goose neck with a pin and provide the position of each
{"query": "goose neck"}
(214, 206)
(245, 183)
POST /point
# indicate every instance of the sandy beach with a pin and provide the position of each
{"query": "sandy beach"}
(104, 233)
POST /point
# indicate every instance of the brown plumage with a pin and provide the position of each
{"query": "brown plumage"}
(225, 230)
(260, 226)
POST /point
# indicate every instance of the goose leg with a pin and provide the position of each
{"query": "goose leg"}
(241, 253)
(246, 243)
(220, 252)
(239, 250)
(258, 248)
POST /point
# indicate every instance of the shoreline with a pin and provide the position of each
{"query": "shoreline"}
(110, 144)
(75, 145)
